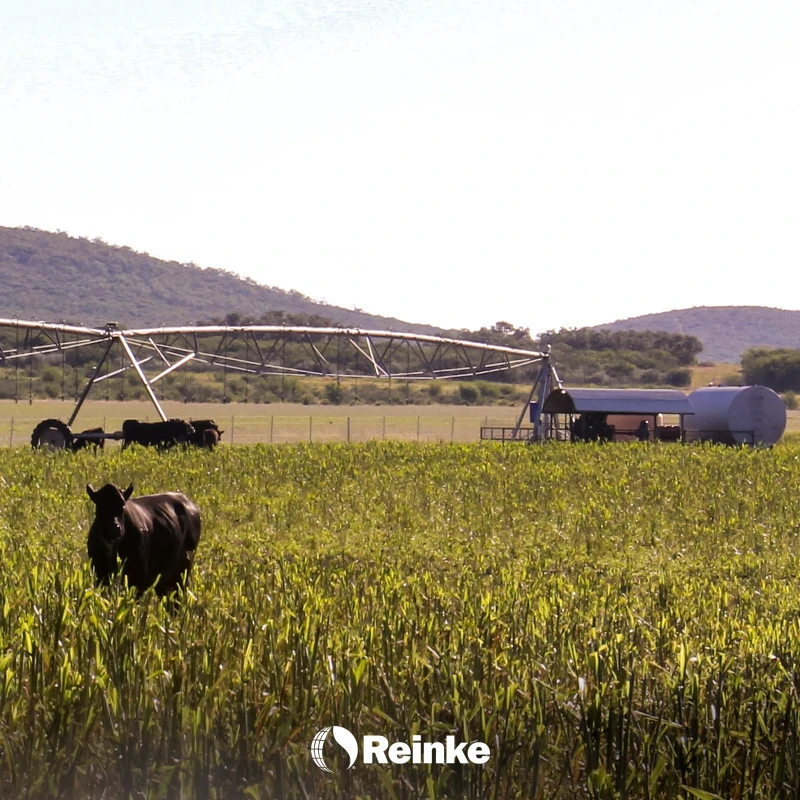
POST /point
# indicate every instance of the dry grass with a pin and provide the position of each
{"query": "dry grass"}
(282, 422)
(275, 422)
(716, 374)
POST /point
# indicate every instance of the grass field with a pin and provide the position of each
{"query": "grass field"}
(615, 622)
(716, 374)
(282, 422)
(275, 422)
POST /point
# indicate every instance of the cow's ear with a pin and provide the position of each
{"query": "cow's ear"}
(127, 493)
(91, 492)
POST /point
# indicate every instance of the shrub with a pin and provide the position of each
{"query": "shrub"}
(650, 376)
(333, 393)
(51, 375)
(779, 369)
(678, 377)
(620, 371)
(489, 390)
(467, 392)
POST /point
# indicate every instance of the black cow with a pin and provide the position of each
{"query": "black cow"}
(155, 536)
(156, 434)
(81, 444)
(206, 433)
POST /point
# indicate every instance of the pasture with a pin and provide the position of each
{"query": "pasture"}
(614, 621)
(282, 423)
(251, 423)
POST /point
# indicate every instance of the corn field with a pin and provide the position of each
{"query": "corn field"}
(614, 622)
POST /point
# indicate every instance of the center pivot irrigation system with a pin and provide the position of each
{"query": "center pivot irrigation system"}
(256, 350)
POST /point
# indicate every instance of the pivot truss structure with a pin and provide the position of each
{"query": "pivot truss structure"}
(154, 353)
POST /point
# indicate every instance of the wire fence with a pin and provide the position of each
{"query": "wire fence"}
(276, 429)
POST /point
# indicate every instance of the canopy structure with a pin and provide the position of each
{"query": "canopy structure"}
(608, 415)
(617, 401)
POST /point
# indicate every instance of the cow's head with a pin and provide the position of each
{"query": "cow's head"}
(108, 528)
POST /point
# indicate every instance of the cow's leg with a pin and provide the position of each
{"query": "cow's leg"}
(184, 568)
(175, 582)
(166, 585)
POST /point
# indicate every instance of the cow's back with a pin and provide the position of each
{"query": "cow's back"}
(156, 434)
(189, 515)
(170, 510)
(169, 532)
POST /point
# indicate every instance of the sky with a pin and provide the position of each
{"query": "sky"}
(455, 162)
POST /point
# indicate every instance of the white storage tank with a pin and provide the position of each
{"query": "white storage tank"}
(752, 415)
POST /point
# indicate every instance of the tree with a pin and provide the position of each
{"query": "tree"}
(777, 368)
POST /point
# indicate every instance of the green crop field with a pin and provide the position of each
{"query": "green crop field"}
(612, 621)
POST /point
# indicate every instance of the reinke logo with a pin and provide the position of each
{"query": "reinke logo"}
(377, 750)
(342, 737)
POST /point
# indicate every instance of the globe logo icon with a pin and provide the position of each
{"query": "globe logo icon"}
(342, 737)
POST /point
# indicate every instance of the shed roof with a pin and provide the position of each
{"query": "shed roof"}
(617, 401)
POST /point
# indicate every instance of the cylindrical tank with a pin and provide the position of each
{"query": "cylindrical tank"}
(735, 415)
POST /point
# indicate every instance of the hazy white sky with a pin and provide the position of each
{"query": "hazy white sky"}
(447, 161)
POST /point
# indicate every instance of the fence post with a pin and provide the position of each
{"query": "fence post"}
(348, 429)
(452, 427)
(232, 427)
(384, 427)
(271, 426)
(417, 427)
(310, 420)
(11, 435)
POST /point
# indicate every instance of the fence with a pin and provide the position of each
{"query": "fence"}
(505, 433)
(247, 429)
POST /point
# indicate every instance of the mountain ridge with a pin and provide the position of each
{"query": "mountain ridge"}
(725, 331)
(57, 277)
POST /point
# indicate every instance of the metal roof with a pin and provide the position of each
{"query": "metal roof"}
(617, 401)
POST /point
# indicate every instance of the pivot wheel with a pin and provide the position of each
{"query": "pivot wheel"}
(52, 434)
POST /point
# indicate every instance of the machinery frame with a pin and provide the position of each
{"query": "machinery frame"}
(379, 354)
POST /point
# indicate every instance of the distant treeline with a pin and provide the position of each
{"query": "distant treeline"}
(606, 358)
(587, 356)
(623, 358)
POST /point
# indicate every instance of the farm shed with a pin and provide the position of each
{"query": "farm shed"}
(616, 414)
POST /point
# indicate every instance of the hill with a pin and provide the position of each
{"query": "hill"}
(725, 331)
(55, 277)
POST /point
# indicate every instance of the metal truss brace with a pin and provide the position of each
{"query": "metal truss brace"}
(142, 377)
(156, 348)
